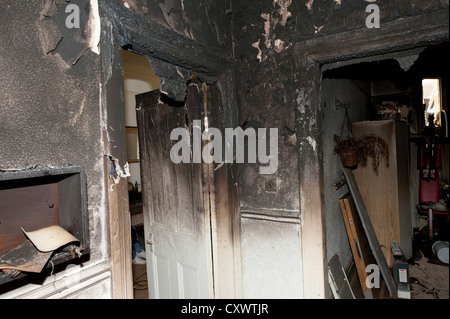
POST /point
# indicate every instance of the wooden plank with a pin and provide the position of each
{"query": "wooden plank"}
(358, 242)
(313, 237)
(114, 146)
(370, 232)
(120, 238)
(31, 207)
(386, 195)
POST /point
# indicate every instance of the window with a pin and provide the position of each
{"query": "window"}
(431, 97)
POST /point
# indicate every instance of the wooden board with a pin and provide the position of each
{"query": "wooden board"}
(358, 242)
(369, 231)
(31, 207)
(386, 195)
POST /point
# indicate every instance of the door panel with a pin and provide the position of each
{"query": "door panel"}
(179, 256)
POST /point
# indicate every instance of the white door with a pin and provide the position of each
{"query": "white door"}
(177, 231)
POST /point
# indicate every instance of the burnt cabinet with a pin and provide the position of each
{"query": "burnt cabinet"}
(36, 198)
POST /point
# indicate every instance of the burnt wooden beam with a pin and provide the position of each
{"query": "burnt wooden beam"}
(402, 34)
(152, 39)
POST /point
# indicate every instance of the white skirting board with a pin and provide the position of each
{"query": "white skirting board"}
(75, 282)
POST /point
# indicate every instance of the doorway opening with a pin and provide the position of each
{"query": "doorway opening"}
(170, 204)
(138, 78)
(375, 93)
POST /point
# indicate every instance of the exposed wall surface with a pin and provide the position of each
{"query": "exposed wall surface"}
(348, 92)
(266, 97)
(265, 93)
(272, 268)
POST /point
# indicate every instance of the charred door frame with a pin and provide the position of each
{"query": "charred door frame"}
(310, 55)
(123, 28)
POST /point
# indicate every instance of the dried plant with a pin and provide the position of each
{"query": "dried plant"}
(369, 146)
(344, 144)
(374, 147)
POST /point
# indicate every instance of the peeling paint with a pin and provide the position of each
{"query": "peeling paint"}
(279, 45)
(179, 72)
(407, 62)
(302, 100)
(271, 21)
(283, 11)
(312, 124)
(301, 108)
(312, 142)
(317, 29)
(256, 45)
(266, 16)
(94, 27)
(309, 4)
(116, 171)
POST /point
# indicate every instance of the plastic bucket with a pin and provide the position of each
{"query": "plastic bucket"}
(440, 248)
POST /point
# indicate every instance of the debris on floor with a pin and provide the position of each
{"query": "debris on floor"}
(428, 280)
(429, 276)
(34, 253)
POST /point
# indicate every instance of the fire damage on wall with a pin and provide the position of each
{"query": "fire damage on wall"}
(262, 63)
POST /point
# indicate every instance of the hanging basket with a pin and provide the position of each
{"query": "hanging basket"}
(349, 157)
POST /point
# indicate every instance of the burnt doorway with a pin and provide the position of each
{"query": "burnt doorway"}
(131, 31)
(218, 180)
(138, 77)
(373, 91)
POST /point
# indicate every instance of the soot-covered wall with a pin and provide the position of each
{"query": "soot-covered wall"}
(51, 116)
(53, 89)
(62, 97)
(270, 80)
(279, 47)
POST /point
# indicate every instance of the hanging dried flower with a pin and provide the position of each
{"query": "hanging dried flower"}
(368, 146)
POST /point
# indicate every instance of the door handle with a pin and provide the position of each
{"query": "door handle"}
(150, 239)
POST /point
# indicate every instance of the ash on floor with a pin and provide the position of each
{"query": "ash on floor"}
(429, 277)
(428, 280)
